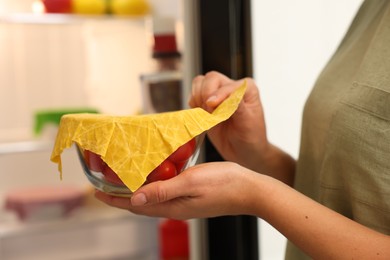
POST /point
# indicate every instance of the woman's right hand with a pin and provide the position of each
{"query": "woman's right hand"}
(242, 138)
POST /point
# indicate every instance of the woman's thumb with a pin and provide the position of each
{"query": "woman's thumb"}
(156, 192)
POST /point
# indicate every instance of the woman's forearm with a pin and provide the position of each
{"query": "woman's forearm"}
(269, 160)
(317, 230)
(279, 165)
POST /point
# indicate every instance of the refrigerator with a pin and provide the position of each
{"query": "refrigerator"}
(221, 40)
(98, 61)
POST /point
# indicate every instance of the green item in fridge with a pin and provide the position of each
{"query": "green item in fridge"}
(53, 116)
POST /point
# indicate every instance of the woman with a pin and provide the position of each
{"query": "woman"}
(334, 201)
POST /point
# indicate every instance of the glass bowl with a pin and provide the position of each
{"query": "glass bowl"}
(104, 178)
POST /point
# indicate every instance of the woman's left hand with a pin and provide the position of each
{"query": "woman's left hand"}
(205, 190)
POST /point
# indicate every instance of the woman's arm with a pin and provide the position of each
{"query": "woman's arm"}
(224, 188)
(277, 164)
(317, 230)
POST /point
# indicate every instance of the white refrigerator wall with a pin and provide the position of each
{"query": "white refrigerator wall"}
(60, 62)
(292, 42)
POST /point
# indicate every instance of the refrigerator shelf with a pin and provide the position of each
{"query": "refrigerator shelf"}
(58, 19)
(100, 233)
(7, 148)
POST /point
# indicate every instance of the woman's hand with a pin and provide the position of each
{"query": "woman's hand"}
(242, 138)
(224, 188)
(205, 190)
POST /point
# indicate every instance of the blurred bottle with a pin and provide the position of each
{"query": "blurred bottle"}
(162, 87)
(173, 239)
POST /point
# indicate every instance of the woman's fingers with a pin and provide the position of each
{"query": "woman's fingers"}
(204, 88)
(118, 202)
(161, 191)
(218, 96)
(195, 99)
(152, 193)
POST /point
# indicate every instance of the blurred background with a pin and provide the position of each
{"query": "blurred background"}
(63, 56)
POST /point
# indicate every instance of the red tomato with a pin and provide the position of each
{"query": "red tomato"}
(93, 161)
(58, 6)
(111, 176)
(179, 166)
(164, 171)
(183, 152)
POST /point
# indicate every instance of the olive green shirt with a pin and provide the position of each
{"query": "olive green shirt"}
(344, 159)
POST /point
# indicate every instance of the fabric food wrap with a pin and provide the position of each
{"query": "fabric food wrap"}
(132, 146)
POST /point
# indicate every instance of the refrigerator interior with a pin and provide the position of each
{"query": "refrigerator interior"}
(62, 62)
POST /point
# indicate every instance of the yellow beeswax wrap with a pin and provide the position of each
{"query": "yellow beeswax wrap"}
(135, 145)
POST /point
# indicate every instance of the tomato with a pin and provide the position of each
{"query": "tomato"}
(111, 177)
(183, 152)
(93, 161)
(164, 171)
(179, 166)
(57, 6)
